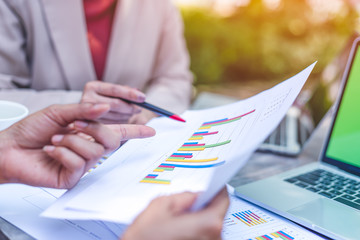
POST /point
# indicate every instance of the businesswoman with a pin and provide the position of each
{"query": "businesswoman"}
(132, 46)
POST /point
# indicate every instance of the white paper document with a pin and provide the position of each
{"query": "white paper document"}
(245, 221)
(21, 205)
(200, 155)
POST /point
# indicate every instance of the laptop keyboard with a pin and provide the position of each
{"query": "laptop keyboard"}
(330, 185)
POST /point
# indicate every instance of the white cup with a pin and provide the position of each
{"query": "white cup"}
(10, 113)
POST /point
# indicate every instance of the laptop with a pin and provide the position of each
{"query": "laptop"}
(323, 196)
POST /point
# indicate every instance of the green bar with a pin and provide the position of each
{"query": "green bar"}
(217, 144)
(166, 169)
(180, 158)
(280, 236)
(192, 147)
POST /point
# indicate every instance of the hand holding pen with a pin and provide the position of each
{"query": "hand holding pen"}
(125, 102)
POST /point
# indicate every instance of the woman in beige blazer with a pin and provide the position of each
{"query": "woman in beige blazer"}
(44, 45)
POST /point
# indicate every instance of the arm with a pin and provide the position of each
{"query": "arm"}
(14, 69)
(169, 218)
(52, 148)
(170, 85)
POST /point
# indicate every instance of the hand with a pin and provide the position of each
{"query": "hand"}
(142, 118)
(169, 218)
(67, 155)
(120, 111)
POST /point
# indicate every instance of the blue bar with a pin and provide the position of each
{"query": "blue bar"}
(242, 217)
(153, 175)
(286, 234)
(188, 154)
(193, 166)
(201, 132)
(189, 143)
(215, 121)
(268, 236)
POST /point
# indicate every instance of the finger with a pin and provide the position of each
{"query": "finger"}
(102, 134)
(116, 105)
(88, 150)
(116, 116)
(107, 121)
(73, 163)
(219, 204)
(115, 90)
(181, 202)
(209, 221)
(66, 114)
(129, 131)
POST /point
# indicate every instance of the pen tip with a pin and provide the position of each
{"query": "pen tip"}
(176, 117)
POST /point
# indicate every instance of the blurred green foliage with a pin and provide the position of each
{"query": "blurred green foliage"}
(256, 42)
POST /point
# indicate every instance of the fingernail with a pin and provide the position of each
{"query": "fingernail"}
(141, 96)
(48, 148)
(81, 124)
(57, 138)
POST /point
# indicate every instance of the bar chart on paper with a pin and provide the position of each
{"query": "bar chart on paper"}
(245, 221)
(200, 150)
(275, 235)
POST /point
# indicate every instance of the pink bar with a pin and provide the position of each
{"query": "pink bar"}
(283, 235)
(182, 156)
(255, 216)
(166, 166)
(150, 177)
(193, 145)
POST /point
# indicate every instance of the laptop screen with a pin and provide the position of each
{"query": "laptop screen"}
(343, 146)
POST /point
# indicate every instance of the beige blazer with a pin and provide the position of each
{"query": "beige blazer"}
(43, 45)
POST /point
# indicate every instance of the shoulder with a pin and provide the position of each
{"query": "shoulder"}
(22, 8)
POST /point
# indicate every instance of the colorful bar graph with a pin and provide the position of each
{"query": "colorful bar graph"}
(276, 235)
(191, 161)
(249, 218)
(201, 148)
(282, 235)
(151, 178)
(207, 125)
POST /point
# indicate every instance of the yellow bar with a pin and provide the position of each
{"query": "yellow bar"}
(192, 161)
(245, 222)
(204, 127)
(158, 170)
(195, 138)
(275, 235)
(191, 149)
(258, 238)
(153, 181)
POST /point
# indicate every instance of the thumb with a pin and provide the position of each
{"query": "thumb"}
(65, 114)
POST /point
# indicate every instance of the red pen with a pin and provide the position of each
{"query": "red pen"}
(155, 109)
